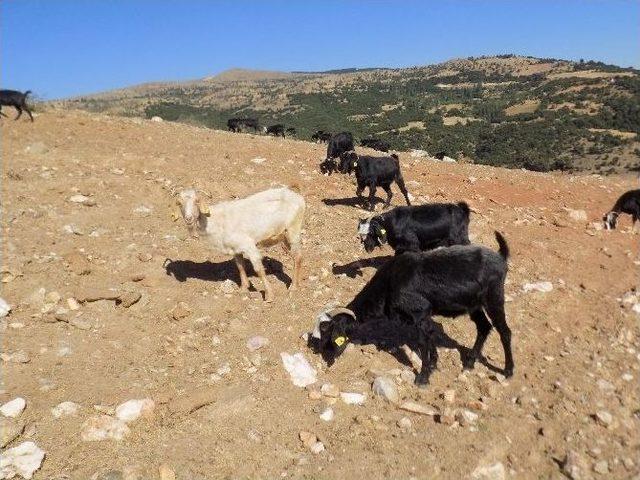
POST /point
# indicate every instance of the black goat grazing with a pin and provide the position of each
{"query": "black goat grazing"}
(237, 124)
(376, 144)
(374, 172)
(417, 228)
(18, 100)
(413, 287)
(339, 143)
(629, 202)
(276, 130)
(321, 136)
(291, 131)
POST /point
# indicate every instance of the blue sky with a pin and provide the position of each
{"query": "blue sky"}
(60, 48)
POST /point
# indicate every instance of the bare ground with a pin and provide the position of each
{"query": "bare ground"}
(568, 342)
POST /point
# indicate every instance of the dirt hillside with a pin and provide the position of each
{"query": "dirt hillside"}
(87, 213)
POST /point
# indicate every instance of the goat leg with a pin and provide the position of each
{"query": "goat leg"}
(244, 281)
(428, 350)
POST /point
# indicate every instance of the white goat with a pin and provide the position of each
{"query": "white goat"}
(238, 227)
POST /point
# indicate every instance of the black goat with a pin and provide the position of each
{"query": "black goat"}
(374, 172)
(237, 124)
(417, 228)
(291, 131)
(321, 136)
(340, 143)
(276, 130)
(413, 287)
(376, 144)
(629, 202)
(18, 100)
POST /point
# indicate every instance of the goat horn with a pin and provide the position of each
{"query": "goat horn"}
(339, 310)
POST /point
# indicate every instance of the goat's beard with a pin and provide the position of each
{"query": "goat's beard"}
(195, 226)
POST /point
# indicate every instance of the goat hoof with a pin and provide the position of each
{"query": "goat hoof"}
(508, 372)
(421, 381)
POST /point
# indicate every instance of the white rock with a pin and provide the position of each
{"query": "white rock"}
(577, 215)
(574, 466)
(228, 286)
(543, 287)
(327, 415)
(386, 388)
(604, 418)
(418, 153)
(65, 409)
(142, 209)
(257, 342)
(5, 308)
(353, 398)
(466, 417)
(13, 408)
(330, 390)
(448, 159)
(490, 472)
(103, 427)
(131, 410)
(79, 198)
(417, 408)
(405, 424)
(156, 119)
(317, 447)
(258, 160)
(22, 460)
(301, 372)
(636, 308)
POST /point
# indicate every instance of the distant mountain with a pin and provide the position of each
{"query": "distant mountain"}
(507, 110)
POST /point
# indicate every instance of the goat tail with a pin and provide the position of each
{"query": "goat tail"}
(503, 247)
(464, 206)
(27, 93)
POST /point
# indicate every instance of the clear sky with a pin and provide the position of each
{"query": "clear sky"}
(60, 48)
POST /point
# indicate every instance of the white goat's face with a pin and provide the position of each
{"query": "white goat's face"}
(191, 208)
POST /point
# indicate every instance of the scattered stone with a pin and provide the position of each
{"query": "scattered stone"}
(9, 430)
(627, 377)
(224, 369)
(604, 418)
(385, 387)
(258, 160)
(574, 466)
(447, 417)
(13, 408)
(180, 311)
(5, 308)
(65, 409)
(196, 399)
(144, 257)
(310, 440)
(228, 286)
(490, 472)
(577, 215)
(449, 396)
(83, 200)
(166, 472)
(417, 408)
(327, 415)
(156, 119)
(466, 418)
(143, 209)
(22, 460)
(102, 427)
(544, 287)
(605, 386)
(131, 410)
(73, 304)
(128, 299)
(601, 467)
(330, 390)
(301, 372)
(80, 323)
(16, 357)
(72, 230)
(405, 424)
(353, 398)
(256, 343)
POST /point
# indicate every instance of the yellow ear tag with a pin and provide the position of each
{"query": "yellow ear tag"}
(383, 231)
(339, 341)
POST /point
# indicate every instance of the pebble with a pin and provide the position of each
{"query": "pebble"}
(466, 417)
(13, 408)
(417, 408)
(330, 390)
(353, 398)
(65, 409)
(604, 418)
(180, 311)
(300, 371)
(310, 440)
(83, 200)
(386, 388)
(574, 466)
(16, 357)
(103, 427)
(544, 287)
(404, 424)
(605, 386)
(9, 430)
(489, 472)
(447, 417)
(5, 308)
(327, 415)
(132, 410)
(601, 467)
(627, 377)
(256, 343)
(449, 396)
(228, 286)
(577, 215)
(22, 460)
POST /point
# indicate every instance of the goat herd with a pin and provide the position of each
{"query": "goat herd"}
(435, 270)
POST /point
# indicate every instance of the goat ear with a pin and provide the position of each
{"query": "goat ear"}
(204, 208)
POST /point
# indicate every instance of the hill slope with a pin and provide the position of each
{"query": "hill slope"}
(540, 114)
(575, 347)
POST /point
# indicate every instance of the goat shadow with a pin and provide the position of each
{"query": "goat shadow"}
(391, 336)
(218, 272)
(359, 202)
(354, 269)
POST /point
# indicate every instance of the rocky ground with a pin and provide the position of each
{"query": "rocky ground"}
(138, 357)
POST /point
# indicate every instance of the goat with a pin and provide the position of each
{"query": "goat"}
(275, 130)
(237, 124)
(374, 172)
(321, 136)
(18, 100)
(413, 287)
(238, 227)
(629, 202)
(291, 131)
(339, 143)
(417, 228)
(376, 144)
